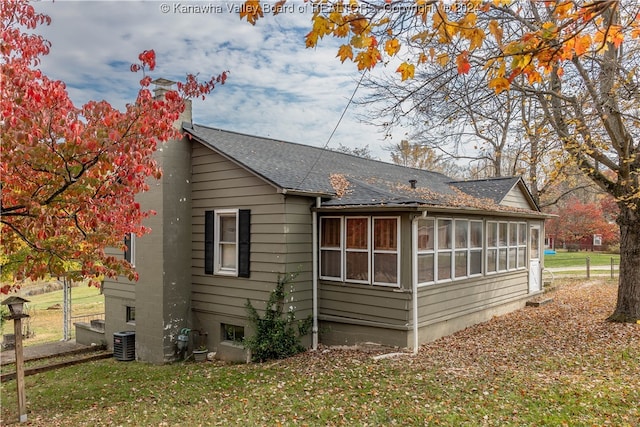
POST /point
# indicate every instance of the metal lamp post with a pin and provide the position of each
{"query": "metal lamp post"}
(16, 309)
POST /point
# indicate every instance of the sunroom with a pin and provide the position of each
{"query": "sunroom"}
(405, 278)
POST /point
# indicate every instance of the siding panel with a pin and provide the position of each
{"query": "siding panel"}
(516, 198)
(366, 303)
(450, 300)
(279, 226)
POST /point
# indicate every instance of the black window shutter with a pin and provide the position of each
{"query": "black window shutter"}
(127, 251)
(244, 242)
(208, 241)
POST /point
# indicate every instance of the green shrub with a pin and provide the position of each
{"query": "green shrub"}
(277, 335)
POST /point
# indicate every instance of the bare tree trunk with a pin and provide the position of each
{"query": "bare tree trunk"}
(533, 169)
(628, 305)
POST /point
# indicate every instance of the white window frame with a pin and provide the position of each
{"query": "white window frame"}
(508, 246)
(468, 249)
(490, 269)
(438, 251)
(473, 249)
(375, 251)
(522, 245)
(218, 244)
(460, 250)
(417, 251)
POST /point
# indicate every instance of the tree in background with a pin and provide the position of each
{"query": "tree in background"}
(579, 61)
(69, 175)
(577, 222)
(419, 156)
(364, 152)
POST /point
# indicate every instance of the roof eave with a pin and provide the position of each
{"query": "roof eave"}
(435, 209)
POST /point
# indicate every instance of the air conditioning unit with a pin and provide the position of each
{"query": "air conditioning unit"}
(124, 346)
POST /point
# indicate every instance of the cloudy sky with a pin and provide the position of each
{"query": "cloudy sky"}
(277, 88)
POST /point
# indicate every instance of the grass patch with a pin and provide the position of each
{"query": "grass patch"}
(578, 259)
(45, 322)
(559, 364)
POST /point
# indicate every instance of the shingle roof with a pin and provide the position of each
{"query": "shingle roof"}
(491, 188)
(304, 168)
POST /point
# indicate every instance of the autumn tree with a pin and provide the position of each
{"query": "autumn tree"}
(576, 223)
(69, 175)
(578, 60)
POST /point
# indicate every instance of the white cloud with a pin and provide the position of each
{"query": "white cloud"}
(276, 88)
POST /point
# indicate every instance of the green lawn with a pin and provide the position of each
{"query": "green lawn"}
(578, 259)
(558, 364)
(45, 312)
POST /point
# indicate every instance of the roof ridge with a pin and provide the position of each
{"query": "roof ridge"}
(495, 178)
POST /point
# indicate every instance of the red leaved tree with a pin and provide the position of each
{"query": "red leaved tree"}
(69, 175)
(577, 222)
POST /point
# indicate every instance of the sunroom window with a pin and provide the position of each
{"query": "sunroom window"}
(506, 246)
(385, 250)
(360, 249)
(331, 248)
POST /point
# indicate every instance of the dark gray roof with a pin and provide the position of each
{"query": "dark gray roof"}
(303, 168)
(491, 188)
(298, 167)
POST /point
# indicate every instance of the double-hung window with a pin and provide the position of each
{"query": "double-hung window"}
(227, 234)
(226, 242)
(360, 249)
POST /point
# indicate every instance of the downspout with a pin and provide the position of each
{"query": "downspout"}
(314, 240)
(414, 283)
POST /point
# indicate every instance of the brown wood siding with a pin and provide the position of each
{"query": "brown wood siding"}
(453, 299)
(280, 239)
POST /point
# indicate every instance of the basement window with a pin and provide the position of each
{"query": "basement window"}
(131, 315)
(232, 333)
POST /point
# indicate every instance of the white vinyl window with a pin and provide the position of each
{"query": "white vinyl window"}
(226, 241)
(447, 249)
(522, 245)
(425, 250)
(468, 248)
(506, 246)
(444, 249)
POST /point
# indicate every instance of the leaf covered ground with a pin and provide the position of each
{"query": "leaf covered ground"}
(557, 364)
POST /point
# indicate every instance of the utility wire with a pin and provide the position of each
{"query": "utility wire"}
(355, 90)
